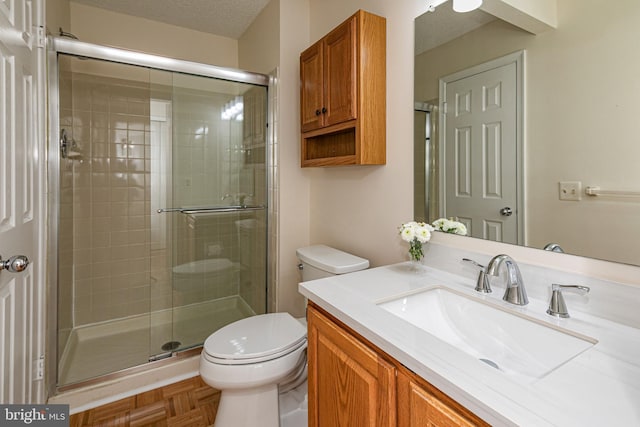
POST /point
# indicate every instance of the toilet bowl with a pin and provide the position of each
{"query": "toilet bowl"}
(253, 360)
(247, 360)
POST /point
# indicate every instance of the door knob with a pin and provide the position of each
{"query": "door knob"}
(14, 264)
(506, 211)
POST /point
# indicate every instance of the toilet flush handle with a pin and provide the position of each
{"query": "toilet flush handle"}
(300, 266)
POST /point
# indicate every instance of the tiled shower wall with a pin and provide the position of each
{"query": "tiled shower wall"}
(65, 224)
(106, 202)
(109, 122)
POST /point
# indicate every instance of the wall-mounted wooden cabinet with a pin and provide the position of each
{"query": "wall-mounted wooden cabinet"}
(343, 95)
(351, 382)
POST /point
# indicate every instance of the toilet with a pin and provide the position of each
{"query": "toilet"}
(254, 360)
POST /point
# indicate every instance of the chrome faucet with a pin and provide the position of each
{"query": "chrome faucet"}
(553, 247)
(482, 283)
(238, 198)
(515, 292)
(557, 306)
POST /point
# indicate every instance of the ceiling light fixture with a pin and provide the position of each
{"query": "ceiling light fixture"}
(466, 5)
(431, 5)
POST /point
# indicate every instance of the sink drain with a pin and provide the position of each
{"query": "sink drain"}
(490, 363)
(170, 346)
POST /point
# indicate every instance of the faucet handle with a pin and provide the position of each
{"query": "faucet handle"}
(482, 283)
(557, 306)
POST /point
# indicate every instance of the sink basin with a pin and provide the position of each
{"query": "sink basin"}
(515, 345)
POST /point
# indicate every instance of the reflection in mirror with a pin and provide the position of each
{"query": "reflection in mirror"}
(581, 88)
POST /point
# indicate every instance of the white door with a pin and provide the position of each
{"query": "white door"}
(480, 185)
(22, 143)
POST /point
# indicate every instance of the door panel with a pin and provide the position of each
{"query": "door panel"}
(311, 98)
(21, 139)
(480, 153)
(340, 74)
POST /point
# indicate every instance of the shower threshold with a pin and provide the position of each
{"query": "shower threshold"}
(107, 347)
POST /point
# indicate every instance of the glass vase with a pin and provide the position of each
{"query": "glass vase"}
(415, 264)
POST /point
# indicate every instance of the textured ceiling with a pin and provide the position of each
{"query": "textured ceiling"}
(228, 18)
(443, 25)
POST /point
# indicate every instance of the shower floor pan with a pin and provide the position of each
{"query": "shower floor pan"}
(107, 347)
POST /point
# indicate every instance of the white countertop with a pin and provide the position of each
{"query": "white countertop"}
(599, 387)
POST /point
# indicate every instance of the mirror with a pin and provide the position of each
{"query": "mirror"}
(580, 105)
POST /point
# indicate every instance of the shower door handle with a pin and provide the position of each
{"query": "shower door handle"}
(213, 209)
(14, 264)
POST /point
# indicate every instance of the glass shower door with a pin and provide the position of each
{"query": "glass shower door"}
(215, 208)
(162, 225)
(104, 270)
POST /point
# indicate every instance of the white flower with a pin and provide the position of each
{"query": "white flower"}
(413, 230)
(450, 226)
(416, 233)
(407, 232)
(423, 233)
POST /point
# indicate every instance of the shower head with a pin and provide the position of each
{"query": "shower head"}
(68, 147)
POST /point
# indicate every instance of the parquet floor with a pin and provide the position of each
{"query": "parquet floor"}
(188, 403)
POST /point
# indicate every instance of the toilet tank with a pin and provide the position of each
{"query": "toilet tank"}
(318, 261)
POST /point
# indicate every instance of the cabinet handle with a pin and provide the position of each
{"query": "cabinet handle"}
(324, 110)
(318, 112)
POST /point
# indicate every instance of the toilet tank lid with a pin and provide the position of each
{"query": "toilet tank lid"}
(331, 260)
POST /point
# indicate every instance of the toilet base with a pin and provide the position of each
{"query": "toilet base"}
(247, 408)
(294, 410)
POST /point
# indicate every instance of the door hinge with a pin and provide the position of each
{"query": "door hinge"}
(38, 368)
(41, 37)
(444, 108)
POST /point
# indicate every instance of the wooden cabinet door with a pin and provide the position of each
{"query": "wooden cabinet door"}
(349, 384)
(312, 87)
(422, 405)
(340, 78)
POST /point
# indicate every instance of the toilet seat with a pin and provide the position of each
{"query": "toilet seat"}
(255, 339)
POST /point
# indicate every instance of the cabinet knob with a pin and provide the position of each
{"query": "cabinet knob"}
(318, 112)
(324, 110)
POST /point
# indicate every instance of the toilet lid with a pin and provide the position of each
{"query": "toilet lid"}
(256, 337)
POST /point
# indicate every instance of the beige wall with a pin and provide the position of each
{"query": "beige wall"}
(259, 46)
(293, 185)
(100, 26)
(58, 16)
(579, 104)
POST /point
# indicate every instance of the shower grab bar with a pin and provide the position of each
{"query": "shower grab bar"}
(212, 209)
(596, 191)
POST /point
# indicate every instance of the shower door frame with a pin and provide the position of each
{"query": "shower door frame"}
(57, 45)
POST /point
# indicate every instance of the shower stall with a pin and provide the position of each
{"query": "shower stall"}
(159, 192)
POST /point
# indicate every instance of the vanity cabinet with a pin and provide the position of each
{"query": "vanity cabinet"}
(343, 93)
(351, 382)
(420, 404)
